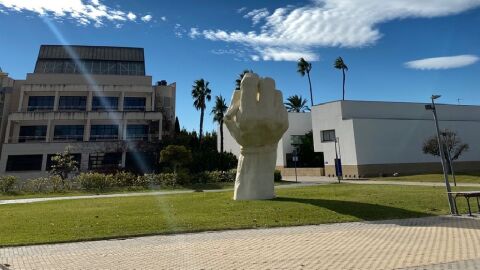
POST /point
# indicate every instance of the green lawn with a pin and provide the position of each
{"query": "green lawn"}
(461, 178)
(75, 220)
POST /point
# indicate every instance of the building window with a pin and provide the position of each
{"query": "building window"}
(103, 132)
(132, 68)
(134, 104)
(296, 139)
(24, 163)
(100, 103)
(40, 103)
(32, 133)
(104, 161)
(137, 132)
(72, 103)
(68, 133)
(328, 135)
(76, 157)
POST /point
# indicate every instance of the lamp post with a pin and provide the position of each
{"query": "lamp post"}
(431, 107)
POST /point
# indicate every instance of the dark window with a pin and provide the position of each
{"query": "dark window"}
(137, 132)
(328, 135)
(41, 103)
(72, 103)
(24, 163)
(132, 68)
(68, 133)
(76, 157)
(134, 104)
(32, 133)
(100, 103)
(103, 132)
(104, 161)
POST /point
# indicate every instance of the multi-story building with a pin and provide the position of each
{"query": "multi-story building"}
(95, 100)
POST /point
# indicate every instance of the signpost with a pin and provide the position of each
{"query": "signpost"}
(295, 159)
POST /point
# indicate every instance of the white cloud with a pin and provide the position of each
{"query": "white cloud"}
(242, 9)
(179, 31)
(446, 62)
(257, 15)
(84, 12)
(163, 18)
(131, 16)
(288, 31)
(146, 18)
(194, 33)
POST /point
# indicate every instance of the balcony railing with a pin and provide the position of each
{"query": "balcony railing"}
(134, 108)
(68, 138)
(137, 137)
(22, 139)
(39, 108)
(103, 137)
(72, 108)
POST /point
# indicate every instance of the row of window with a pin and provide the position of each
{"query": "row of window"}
(79, 103)
(91, 67)
(75, 133)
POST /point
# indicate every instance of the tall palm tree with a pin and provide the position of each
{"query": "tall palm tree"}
(296, 103)
(339, 64)
(240, 77)
(218, 112)
(201, 94)
(304, 67)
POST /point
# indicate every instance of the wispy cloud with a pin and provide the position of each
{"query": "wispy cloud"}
(163, 18)
(194, 33)
(242, 9)
(84, 12)
(146, 18)
(179, 30)
(446, 62)
(257, 15)
(288, 32)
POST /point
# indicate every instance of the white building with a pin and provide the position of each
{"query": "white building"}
(386, 137)
(95, 99)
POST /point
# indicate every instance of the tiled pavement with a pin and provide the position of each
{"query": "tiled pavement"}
(425, 243)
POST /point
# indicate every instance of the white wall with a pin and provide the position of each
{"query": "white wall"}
(299, 124)
(391, 132)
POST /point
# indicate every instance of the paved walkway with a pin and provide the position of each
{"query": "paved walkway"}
(425, 243)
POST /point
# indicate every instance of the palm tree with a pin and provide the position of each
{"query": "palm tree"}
(201, 93)
(218, 112)
(339, 64)
(240, 77)
(304, 67)
(296, 103)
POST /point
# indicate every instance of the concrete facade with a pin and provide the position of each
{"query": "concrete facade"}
(381, 138)
(112, 94)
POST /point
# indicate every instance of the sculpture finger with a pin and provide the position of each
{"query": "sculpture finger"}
(249, 91)
(234, 105)
(267, 95)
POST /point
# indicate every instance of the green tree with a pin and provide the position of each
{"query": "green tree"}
(63, 164)
(238, 81)
(304, 67)
(177, 126)
(296, 103)
(176, 155)
(339, 64)
(306, 153)
(201, 94)
(218, 112)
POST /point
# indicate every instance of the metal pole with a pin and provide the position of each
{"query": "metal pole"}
(296, 179)
(451, 167)
(336, 160)
(451, 203)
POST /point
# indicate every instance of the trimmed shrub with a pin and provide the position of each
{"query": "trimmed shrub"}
(7, 183)
(37, 185)
(277, 176)
(162, 179)
(95, 181)
(124, 179)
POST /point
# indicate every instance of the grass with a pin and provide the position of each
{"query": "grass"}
(461, 178)
(77, 220)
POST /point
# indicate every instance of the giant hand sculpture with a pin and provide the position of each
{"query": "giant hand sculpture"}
(257, 120)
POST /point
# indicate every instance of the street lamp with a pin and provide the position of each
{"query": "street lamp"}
(431, 107)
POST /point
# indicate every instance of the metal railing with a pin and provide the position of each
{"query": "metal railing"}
(134, 108)
(68, 138)
(22, 139)
(137, 137)
(72, 108)
(103, 137)
(39, 108)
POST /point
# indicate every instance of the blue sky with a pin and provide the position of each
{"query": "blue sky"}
(216, 40)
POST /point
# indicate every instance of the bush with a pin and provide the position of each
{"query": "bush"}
(124, 179)
(95, 181)
(162, 179)
(7, 183)
(277, 176)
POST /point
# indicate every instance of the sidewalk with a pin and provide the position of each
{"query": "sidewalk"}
(423, 243)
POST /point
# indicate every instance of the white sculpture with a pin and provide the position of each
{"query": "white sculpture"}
(257, 120)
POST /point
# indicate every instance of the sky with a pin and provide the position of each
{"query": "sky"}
(397, 50)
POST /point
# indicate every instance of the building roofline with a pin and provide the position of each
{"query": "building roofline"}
(92, 46)
(396, 102)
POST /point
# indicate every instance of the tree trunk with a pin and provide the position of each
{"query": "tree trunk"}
(221, 136)
(343, 71)
(310, 84)
(201, 125)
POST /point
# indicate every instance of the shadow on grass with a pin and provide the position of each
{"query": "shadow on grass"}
(382, 214)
